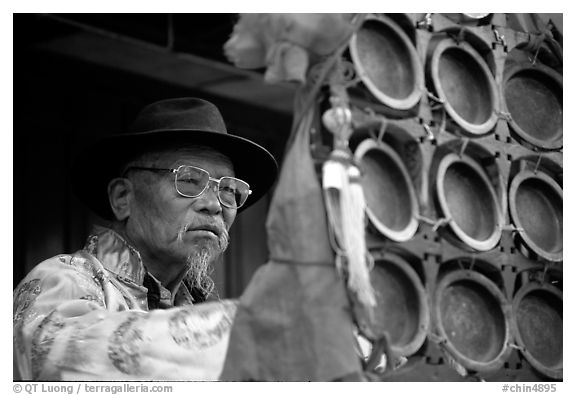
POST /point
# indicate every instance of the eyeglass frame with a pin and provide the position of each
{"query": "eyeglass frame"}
(175, 172)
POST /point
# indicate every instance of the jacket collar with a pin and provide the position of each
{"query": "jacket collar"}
(115, 254)
(120, 258)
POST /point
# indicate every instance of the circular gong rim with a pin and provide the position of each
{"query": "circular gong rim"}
(552, 372)
(419, 337)
(549, 74)
(479, 245)
(469, 128)
(514, 185)
(418, 89)
(410, 229)
(494, 291)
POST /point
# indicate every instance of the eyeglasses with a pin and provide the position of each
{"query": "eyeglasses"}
(192, 181)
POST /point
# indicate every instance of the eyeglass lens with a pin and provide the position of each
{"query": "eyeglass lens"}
(191, 182)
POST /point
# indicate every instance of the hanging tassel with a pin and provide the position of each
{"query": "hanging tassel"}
(345, 206)
(333, 174)
(353, 207)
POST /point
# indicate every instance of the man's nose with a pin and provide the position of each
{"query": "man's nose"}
(208, 201)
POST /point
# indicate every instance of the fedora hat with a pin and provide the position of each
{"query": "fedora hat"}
(183, 121)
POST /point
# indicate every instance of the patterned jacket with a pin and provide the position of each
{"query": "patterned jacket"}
(86, 316)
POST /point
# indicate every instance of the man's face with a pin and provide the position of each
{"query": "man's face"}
(170, 229)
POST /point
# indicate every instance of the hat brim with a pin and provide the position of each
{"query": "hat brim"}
(102, 161)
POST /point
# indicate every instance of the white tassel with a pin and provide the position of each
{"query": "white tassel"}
(333, 172)
(353, 208)
(346, 211)
(345, 204)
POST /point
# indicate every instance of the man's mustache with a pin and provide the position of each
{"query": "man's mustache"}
(215, 226)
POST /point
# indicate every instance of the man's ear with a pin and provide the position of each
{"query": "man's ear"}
(120, 195)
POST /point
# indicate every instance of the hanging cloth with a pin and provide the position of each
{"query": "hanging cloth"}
(294, 322)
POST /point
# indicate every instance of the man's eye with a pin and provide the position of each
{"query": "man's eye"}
(189, 180)
(228, 190)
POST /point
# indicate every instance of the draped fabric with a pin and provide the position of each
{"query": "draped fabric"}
(285, 44)
(293, 321)
(534, 23)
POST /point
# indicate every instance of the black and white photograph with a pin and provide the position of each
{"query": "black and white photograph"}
(287, 197)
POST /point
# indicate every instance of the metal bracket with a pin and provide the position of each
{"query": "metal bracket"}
(511, 228)
(438, 102)
(500, 40)
(538, 163)
(504, 115)
(425, 23)
(515, 346)
(458, 38)
(441, 341)
(472, 263)
(435, 223)
(542, 276)
(538, 41)
(383, 124)
(429, 134)
(465, 141)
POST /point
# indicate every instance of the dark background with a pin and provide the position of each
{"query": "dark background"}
(78, 77)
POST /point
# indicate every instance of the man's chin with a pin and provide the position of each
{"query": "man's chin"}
(205, 248)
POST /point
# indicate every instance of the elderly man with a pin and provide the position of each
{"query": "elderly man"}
(126, 306)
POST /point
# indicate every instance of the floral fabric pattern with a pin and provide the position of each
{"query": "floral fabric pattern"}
(85, 316)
